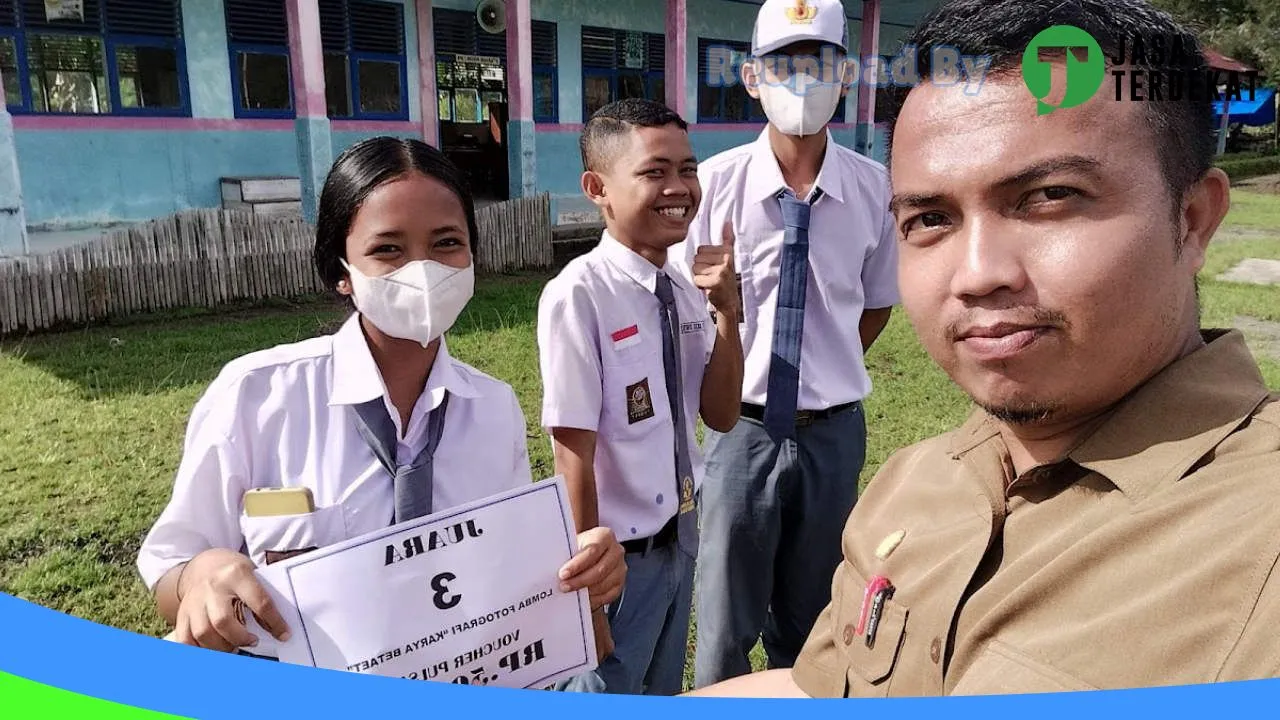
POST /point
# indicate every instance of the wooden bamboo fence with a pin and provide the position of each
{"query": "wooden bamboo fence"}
(515, 235)
(196, 258)
(207, 258)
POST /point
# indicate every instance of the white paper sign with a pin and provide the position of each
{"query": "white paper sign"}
(469, 596)
(633, 50)
(63, 10)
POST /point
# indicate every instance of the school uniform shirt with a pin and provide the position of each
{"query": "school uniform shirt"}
(853, 260)
(283, 418)
(600, 351)
(1147, 556)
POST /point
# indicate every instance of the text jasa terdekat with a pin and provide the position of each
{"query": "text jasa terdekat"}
(444, 599)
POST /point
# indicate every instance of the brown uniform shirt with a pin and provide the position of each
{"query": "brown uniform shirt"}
(1144, 558)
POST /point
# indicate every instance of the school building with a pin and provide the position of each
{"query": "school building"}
(124, 110)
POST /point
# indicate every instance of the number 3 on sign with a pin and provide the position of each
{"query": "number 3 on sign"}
(442, 598)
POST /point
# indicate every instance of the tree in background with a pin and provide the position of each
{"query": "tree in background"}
(1247, 30)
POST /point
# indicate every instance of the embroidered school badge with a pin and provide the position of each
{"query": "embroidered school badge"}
(639, 402)
(686, 495)
(802, 14)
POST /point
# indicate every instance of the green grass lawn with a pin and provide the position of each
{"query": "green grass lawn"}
(92, 421)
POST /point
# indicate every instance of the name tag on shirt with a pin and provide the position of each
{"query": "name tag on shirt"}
(626, 337)
(696, 326)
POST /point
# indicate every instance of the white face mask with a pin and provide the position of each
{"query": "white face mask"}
(419, 301)
(801, 115)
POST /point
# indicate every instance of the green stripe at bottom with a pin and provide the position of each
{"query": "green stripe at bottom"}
(21, 699)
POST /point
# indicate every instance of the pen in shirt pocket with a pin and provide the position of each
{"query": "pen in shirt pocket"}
(868, 595)
(877, 610)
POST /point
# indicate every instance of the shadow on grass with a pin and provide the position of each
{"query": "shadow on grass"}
(159, 353)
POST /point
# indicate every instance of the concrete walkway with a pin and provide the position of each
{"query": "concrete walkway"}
(1255, 271)
(1263, 335)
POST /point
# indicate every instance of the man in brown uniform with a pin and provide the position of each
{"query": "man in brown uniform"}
(1110, 516)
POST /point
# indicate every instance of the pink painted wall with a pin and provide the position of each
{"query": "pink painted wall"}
(870, 47)
(427, 74)
(519, 60)
(306, 58)
(677, 61)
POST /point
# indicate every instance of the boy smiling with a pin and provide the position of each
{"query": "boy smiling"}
(630, 357)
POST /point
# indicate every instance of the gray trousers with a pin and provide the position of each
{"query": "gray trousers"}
(650, 627)
(772, 518)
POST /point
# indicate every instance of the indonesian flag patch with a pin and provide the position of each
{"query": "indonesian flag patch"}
(626, 337)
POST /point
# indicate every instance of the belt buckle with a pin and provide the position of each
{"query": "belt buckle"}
(804, 418)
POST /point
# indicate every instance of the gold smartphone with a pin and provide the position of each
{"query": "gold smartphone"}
(268, 502)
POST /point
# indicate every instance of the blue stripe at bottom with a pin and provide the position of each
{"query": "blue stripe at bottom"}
(65, 652)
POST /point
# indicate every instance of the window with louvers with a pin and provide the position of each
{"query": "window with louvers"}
(546, 73)
(34, 17)
(470, 67)
(364, 59)
(377, 27)
(606, 49)
(619, 64)
(546, 51)
(258, 39)
(599, 48)
(460, 84)
(143, 17)
(257, 22)
(107, 56)
(455, 32)
(458, 33)
(9, 55)
(721, 95)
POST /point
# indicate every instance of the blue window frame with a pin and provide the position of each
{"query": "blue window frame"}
(365, 69)
(722, 98)
(471, 67)
(546, 75)
(466, 85)
(258, 41)
(113, 57)
(546, 94)
(619, 64)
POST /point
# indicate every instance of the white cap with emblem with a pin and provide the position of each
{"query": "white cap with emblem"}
(783, 22)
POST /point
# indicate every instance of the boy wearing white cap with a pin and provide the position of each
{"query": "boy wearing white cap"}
(816, 252)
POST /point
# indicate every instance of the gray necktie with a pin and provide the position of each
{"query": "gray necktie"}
(783, 389)
(412, 483)
(687, 525)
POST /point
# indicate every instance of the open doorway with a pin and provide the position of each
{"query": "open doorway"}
(472, 92)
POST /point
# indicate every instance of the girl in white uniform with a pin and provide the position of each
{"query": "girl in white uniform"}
(395, 233)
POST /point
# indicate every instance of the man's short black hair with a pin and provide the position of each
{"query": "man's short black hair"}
(1002, 29)
(611, 123)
